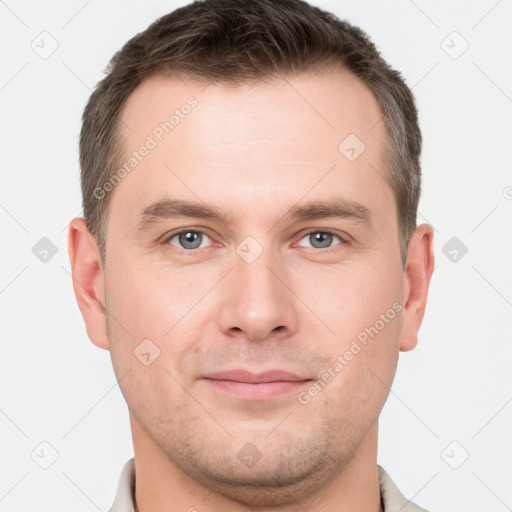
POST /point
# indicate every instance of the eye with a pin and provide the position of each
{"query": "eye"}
(321, 239)
(188, 239)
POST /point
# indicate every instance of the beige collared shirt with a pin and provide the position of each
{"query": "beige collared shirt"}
(392, 498)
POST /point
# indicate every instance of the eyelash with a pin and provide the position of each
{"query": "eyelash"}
(169, 237)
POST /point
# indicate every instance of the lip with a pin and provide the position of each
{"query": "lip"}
(246, 376)
(256, 386)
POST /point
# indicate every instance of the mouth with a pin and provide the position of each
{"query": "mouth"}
(256, 386)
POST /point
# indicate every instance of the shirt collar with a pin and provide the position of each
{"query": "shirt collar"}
(125, 496)
(392, 499)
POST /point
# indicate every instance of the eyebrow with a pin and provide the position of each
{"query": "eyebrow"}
(337, 207)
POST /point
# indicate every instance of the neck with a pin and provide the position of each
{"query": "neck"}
(162, 486)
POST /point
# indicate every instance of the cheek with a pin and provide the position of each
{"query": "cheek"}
(158, 311)
(145, 335)
(153, 392)
(368, 362)
(150, 301)
(362, 305)
(352, 298)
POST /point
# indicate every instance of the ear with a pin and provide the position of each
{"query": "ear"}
(418, 271)
(88, 280)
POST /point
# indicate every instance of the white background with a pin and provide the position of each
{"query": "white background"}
(455, 386)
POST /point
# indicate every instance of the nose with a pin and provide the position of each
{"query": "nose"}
(259, 302)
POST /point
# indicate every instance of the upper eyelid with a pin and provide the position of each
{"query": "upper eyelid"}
(179, 231)
(325, 230)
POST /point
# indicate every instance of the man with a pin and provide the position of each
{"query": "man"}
(250, 256)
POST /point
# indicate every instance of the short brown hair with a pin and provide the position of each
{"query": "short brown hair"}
(242, 41)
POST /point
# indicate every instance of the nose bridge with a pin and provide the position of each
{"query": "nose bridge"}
(259, 301)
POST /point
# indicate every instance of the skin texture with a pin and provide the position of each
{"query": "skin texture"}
(253, 152)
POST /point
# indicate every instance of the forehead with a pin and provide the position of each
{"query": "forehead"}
(330, 103)
(289, 137)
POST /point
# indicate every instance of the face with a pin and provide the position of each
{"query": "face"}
(255, 234)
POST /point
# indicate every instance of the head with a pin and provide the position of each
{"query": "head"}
(250, 179)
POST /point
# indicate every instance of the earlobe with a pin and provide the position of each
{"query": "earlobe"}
(88, 280)
(417, 274)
